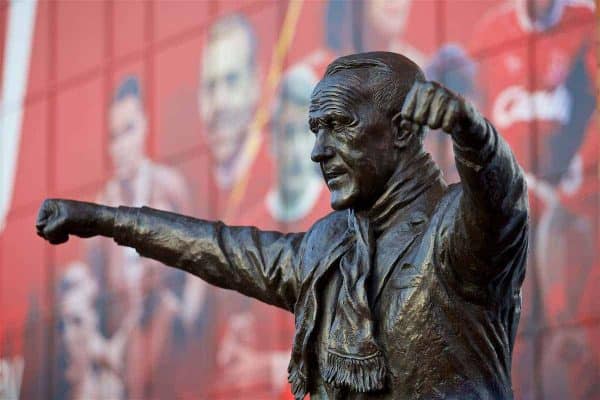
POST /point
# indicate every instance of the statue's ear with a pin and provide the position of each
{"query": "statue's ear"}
(404, 130)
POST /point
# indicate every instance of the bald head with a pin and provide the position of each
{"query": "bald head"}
(358, 141)
(380, 77)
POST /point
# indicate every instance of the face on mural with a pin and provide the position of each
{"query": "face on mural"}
(387, 17)
(228, 90)
(127, 124)
(78, 317)
(292, 143)
(79, 323)
(537, 10)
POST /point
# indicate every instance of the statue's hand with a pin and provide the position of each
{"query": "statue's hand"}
(59, 218)
(429, 103)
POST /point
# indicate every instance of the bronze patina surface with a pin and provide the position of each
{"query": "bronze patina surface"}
(410, 289)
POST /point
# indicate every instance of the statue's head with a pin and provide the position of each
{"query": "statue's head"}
(355, 116)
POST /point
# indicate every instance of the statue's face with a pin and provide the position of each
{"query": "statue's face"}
(228, 92)
(354, 142)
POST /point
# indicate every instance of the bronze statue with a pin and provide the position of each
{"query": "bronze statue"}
(410, 289)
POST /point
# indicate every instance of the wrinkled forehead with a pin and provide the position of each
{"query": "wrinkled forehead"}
(341, 92)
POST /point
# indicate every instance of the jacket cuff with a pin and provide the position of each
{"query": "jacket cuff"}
(477, 155)
(125, 227)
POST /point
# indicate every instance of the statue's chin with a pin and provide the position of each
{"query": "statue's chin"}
(337, 207)
(341, 200)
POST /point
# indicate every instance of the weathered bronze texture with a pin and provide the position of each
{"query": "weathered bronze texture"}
(410, 289)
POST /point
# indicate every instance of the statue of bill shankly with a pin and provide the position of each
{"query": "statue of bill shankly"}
(410, 289)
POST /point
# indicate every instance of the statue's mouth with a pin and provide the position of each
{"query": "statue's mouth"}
(333, 175)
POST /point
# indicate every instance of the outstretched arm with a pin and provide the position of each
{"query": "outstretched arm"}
(488, 235)
(263, 265)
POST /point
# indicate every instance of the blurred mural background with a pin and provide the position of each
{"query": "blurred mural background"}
(200, 107)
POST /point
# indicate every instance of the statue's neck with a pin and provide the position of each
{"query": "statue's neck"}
(405, 189)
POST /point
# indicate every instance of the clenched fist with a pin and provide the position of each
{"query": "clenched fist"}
(431, 104)
(59, 218)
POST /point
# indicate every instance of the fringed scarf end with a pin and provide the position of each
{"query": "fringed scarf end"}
(298, 383)
(360, 375)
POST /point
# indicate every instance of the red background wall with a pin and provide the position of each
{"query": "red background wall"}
(82, 51)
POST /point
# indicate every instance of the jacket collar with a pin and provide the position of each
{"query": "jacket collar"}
(401, 215)
(395, 221)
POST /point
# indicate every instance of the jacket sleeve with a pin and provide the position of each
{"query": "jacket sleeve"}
(488, 227)
(259, 264)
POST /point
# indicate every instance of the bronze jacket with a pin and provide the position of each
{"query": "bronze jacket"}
(444, 290)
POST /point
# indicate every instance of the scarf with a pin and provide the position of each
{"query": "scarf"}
(354, 359)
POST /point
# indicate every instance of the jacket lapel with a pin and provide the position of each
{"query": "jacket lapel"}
(327, 258)
(307, 307)
(392, 245)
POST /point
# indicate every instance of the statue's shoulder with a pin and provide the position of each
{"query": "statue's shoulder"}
(322, 238)
(323, 233)
(333, 223)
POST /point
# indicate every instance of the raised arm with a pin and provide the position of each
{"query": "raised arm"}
(263, 265)
(487, 235)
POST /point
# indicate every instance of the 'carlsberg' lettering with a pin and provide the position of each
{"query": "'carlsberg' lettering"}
(516, 104)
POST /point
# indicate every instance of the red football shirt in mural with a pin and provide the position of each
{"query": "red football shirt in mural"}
(541, 91)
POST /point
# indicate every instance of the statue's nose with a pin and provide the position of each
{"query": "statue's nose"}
(321, 150)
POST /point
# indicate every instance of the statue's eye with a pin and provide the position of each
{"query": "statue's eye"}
(341, 123)
(338, 126)
(343, 120)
